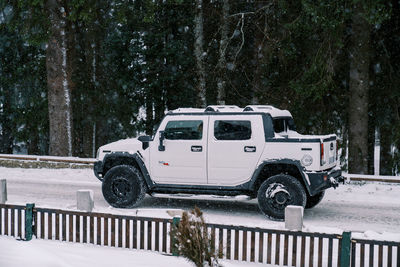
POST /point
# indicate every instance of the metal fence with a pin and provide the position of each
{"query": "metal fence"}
(48, 158)
(280, 247)
(375, 253)
(93, 228)
(372, 178)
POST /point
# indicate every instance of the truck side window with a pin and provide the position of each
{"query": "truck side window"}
(279, 125)
(232, 130)
(284, 124)
(184, 130)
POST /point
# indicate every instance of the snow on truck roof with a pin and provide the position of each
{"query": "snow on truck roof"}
(186, 110)
(223, 108)
(273, 111)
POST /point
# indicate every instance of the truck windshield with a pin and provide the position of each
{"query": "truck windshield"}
(284, 124)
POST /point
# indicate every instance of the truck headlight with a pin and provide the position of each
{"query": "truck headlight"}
(306, 160)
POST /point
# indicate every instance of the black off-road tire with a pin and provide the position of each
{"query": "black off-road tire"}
(123, 187)
(279, 191)
(313, 201)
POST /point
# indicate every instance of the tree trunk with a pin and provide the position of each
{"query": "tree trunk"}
(33, 145)
(371, 146)
(149, 114)
(221, 79)
(359, 86)
(261, 28)
(94, 81)
(386, 158)
(199, 54)
(86, 127)
(6, 123)
(58, 82)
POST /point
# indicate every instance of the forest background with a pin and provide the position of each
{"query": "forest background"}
(76, 74)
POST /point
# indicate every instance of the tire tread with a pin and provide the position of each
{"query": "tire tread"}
(287, 180)
(137, 179)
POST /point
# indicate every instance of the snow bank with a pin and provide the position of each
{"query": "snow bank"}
(372, 235)
(44, 253)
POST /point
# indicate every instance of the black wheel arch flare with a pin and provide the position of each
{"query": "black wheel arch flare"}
(270, 168)
(124, 158)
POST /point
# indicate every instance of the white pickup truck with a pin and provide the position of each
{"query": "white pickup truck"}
(222, 150)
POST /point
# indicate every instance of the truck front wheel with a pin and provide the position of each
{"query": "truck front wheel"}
(313, 201)
(279, 191)
(123, 187)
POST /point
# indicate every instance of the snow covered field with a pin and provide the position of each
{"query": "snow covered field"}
(361, 207)
(43, 253)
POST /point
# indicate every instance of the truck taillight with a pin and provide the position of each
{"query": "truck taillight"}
(322, 154)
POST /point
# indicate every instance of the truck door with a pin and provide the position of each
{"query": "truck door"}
(183, 160)
(235, 144)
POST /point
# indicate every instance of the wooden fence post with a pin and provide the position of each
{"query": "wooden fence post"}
(29, 221)
(345, 252)
(174, 248)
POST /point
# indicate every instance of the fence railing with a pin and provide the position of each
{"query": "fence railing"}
(375, 253)
(280, 247)
(372, 178)
(103, 229)
(49, 158)
(12, 220)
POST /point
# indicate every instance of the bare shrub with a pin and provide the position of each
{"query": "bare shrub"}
(193, 240)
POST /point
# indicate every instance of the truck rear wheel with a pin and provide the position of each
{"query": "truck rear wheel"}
(279, 191)
(313, 201)
(123, 187)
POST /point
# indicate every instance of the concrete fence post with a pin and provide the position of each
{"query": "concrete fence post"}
(84, 200)
(3, 191)
(294, 217)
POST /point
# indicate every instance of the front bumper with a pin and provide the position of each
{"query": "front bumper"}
(98, 169)
(320, 181)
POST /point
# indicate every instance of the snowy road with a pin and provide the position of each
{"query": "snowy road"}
(355, 207)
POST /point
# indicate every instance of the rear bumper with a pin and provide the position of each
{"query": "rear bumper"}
(335, 177)
(98, 169)
(320, 181)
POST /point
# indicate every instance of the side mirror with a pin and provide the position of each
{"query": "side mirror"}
(145, 139)
(161, 147)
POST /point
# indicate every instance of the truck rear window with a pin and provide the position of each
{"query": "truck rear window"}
(232, 130)
(184, 130)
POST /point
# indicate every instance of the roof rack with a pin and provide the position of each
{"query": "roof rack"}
(187, 110)
(220, 108)
(275, 112)
(223, 108)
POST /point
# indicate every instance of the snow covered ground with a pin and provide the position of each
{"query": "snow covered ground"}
(43, 253)
(360, 207)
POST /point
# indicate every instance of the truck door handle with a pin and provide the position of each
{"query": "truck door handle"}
(197, 148)
(249, 149)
